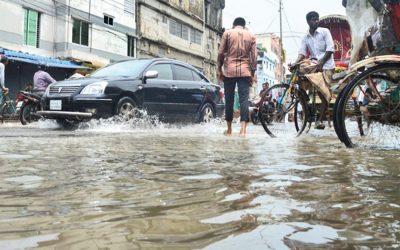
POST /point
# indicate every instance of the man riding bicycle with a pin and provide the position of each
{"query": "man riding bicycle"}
(318, 45)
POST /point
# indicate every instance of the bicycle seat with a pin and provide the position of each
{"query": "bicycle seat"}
(338, 76)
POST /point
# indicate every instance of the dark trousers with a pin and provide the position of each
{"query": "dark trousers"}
(243, 84)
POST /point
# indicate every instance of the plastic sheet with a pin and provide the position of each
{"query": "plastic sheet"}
(361, 16)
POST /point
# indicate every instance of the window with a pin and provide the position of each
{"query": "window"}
(80, 32)
(131, 46)
(195, 36)
(196, 76)
(129, 6)
(185, 32)
(183, 73)
(178, 29)
(108, 20)
(32, 28)
(131, 68)
(164, 71)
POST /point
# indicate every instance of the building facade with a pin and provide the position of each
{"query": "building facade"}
(271, 44)
(185, 30)
(88, 30)
(104, 31)
(266, 69)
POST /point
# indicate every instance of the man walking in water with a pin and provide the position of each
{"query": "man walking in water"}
(239, 63)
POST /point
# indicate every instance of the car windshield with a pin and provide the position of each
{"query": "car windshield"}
(126, 69)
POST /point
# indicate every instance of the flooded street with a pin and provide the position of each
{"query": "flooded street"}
(189, 187)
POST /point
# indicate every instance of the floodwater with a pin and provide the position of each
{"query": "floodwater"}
(157, 186)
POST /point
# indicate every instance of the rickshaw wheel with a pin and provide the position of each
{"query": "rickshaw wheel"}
(368, 110)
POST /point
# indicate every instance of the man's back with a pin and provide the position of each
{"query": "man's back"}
(241, 55)
(41, 79)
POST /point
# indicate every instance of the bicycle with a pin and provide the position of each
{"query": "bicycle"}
(368, 110)
(8, 107)
(288, 113)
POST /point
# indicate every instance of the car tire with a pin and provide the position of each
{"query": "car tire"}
(126, 109)
(68, 124)
(207, 113)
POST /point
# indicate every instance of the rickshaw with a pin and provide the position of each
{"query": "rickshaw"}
(367, 110)
(366, 107)
(297, 102)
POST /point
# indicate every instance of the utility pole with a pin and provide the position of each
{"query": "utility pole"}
(280, 42)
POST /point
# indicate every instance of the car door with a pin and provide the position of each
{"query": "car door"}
(191, 90)
(158, 92)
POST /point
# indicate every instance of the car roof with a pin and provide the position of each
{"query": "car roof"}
(161, 59)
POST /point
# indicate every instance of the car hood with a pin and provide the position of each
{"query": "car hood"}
(85, 81)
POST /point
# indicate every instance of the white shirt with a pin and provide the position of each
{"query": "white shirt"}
(317, 45)
(2, 79)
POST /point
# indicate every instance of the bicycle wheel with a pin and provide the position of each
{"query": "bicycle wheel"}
(282, 111)
(368, 112)
(7, 110)
(337, 125)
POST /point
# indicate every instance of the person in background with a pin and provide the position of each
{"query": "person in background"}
(265, 86)
(3, 63)
(318, 44)
(28, 87)
(236, 105)
(239, 64)
(41, 79)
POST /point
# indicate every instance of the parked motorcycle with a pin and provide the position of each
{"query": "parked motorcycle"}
(254, 107)
(253, 110)
(30, 104)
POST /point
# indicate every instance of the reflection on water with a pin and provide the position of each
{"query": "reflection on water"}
(110, 185)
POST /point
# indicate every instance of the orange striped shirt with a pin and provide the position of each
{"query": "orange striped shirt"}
(237, 52)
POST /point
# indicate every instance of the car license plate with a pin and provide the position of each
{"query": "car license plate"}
(55, 105)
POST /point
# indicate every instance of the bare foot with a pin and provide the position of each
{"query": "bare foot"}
(228, 132)
(243, 129)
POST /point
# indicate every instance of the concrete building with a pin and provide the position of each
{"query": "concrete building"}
(103, 31)
(89, 30)
(186, 30)
(266, 69)
(98, 32)
(271, 44)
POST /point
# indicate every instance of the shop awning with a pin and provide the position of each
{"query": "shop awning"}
(35, 59)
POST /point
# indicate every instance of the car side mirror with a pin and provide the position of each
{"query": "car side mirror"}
(151, 74)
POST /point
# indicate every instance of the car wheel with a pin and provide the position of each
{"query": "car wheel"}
(68, 124)
(207, 113)
(127, 109)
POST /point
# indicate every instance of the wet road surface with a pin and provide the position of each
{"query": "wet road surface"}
(108, 186)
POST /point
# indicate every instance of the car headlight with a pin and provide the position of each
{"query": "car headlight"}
(96, 88)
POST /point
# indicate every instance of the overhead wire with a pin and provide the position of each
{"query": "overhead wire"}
(290, 28)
